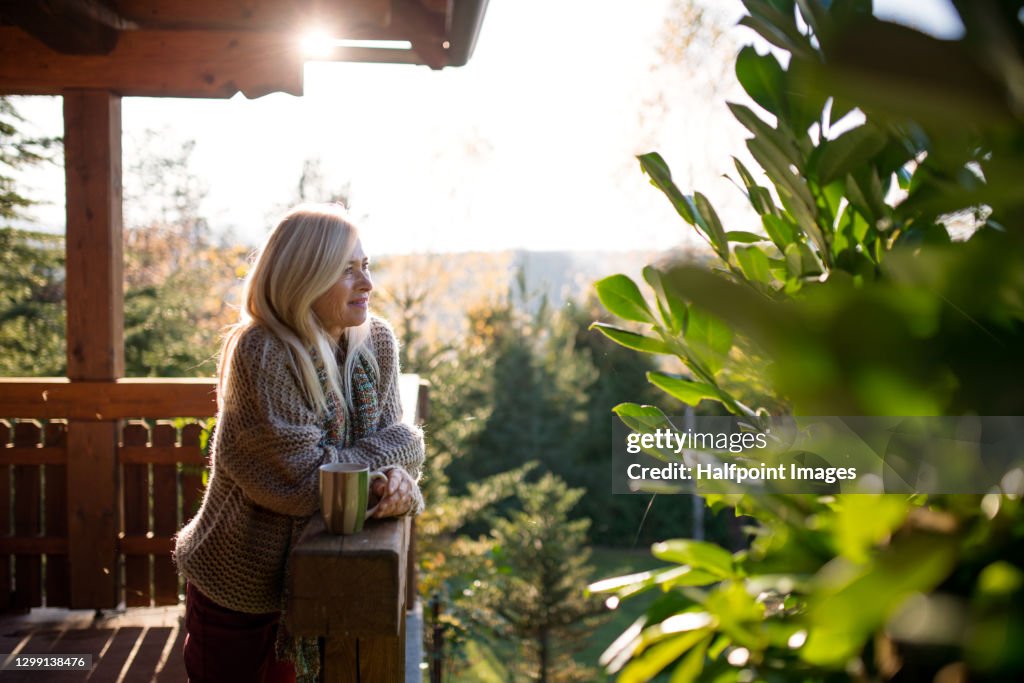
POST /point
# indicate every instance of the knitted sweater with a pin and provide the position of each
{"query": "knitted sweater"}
(264, 469)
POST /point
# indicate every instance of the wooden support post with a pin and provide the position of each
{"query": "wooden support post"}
(95, 336)
(351, 591)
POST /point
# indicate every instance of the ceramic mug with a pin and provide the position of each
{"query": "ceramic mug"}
(344, 493)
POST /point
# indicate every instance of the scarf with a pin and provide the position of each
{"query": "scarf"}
(304, 651)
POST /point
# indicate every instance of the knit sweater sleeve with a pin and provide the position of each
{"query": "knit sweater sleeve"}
(271, 442)
(269, 439)
(395, 443)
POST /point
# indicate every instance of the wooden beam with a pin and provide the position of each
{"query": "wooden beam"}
(349, 586)
(95, 336)
(50, 398)
(93, 514)
(159, 455)
(257, 15)
(74, 27)
(427, 31)
(214, 64)
(94, 243)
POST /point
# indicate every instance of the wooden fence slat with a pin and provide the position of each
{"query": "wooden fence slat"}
(135, 480)
(191, 478)
(161, 455)
(58, 569)
(5, 519)
(28, 585)
(165, 518)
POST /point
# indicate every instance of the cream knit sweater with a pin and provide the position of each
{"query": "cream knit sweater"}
(264, 470)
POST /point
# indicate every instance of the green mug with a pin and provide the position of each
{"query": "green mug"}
(344, 494)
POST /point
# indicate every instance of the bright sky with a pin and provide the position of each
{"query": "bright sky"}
(530, 145)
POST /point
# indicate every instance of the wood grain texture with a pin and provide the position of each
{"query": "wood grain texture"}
(58, 569)
(205, 64)
(93, 519)
(94, 243)
(135, 513)
(5, 515)
(256, 15)
(28, 572)
(349, 586)
(108, 400)
(165, 517)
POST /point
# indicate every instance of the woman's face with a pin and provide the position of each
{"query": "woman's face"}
(346, 303)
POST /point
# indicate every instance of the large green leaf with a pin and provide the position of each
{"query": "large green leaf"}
(621, 296)
(657, 657)
(708, 337)
(770, 136)
(692, 664)
(697, 554)
(673, 310)
(632, 340)
(641, 418)
(763, 79)
(779, 230)
(850, 603)
(744, 237)
(847, 152)
(754, 264)
(715, 231)
(686, 390)
(661, 177)
(777, 27)
(800, 260)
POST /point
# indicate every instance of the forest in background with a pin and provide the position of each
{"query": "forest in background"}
(520, 401)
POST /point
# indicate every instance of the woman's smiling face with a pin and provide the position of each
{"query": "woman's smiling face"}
(346, 303)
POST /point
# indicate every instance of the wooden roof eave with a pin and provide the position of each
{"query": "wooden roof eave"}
(216, 48)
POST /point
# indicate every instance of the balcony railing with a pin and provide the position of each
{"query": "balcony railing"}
(63, 497)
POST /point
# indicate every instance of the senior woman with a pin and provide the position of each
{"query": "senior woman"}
(307, 377)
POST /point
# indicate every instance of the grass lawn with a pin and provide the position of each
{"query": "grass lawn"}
(607, 562)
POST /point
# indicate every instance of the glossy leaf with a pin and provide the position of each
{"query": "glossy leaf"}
(632, 340)
(656, 658)
(847, 152)
(621, 296)
(661, 177)
(744, 237)
(688, 391)
(779, 230)
(754, 264)
(698, 554)
(715, 231)
(800, 260)
(709, 338)
(672, 309)
(763, 79)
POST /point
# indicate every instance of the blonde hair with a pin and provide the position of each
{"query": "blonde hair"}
(304, 255)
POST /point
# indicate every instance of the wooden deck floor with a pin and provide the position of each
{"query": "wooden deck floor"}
(135, 645)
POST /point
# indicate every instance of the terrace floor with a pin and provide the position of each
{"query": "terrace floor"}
(127, 646)
(138, 644)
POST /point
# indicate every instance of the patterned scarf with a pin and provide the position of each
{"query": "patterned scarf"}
(303, 651)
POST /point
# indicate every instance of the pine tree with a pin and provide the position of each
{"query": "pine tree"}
(535, 600)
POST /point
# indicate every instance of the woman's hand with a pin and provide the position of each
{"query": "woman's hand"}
(397, 495)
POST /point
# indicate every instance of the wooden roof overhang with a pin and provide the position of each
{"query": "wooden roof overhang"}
(94, 53)
(217, 48)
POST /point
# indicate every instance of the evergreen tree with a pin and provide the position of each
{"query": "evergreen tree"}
(535, 600)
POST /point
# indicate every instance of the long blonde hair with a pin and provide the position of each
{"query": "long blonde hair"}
(302, 257)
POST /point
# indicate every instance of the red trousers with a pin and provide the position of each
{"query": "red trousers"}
(224, 646)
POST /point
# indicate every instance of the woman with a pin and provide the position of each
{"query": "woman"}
(307, 377)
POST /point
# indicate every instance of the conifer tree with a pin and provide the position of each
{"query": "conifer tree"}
(535, 600)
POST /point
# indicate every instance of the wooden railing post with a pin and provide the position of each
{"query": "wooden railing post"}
(351, 590)
(95, 336)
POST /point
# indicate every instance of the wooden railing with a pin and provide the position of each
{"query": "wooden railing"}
(53, 507)
(351, 591)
